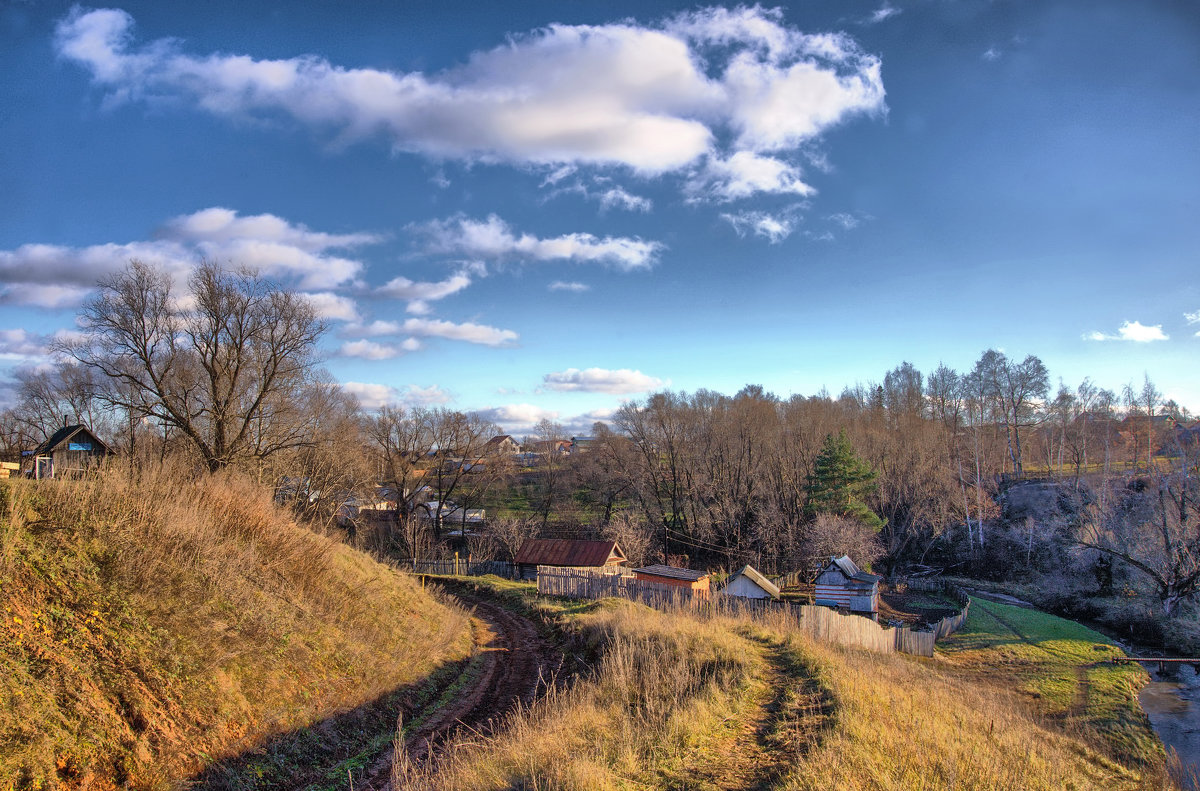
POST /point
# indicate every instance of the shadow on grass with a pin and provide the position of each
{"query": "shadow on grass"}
(342, 745)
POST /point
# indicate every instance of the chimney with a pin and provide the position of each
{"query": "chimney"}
(64, 421)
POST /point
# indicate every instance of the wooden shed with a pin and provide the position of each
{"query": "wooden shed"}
(567, 552)
(749, 583)
(70, 451)
(842, 584)
(675, 577)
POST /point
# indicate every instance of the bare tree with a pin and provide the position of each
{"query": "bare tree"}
(1154, 527)
(227, 365)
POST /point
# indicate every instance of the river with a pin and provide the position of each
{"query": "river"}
(1172, 701)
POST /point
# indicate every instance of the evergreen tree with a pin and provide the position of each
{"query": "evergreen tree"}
(839, 482)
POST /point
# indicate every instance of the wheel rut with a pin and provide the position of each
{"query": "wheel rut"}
(512, 666)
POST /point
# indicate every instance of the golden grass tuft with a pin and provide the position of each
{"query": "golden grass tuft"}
(155, 623)
(679, 701)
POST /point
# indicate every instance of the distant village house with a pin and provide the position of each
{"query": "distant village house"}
(840, 583)
(749, 583)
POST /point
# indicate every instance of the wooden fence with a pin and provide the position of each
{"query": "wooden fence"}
(820, 623)
(459, 566)
(951, 623)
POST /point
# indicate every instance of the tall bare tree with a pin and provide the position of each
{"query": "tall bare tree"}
(227, 364)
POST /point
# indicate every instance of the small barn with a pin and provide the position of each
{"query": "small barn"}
(749, 583)
(842, 584)
(69, 451)
(571, 553)
(675, 577)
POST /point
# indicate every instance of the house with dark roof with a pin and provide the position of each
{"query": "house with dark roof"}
(571, 553)
(749, 583)
(688, 579)
(71, 450)
(840, 583)
(502, 445)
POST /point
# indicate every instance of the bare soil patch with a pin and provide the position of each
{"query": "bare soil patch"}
(513, 664)
(914, 607)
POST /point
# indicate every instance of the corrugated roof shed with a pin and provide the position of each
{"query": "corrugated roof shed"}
(568, 552)
(671, 572)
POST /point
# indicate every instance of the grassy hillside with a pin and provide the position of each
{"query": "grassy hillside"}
(154, 626)
(679, 702)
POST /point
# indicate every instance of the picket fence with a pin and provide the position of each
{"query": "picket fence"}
(820, 623)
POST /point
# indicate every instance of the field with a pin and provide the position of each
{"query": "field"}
(678, 702)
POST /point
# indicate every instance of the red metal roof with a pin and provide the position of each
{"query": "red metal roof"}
(569, 552)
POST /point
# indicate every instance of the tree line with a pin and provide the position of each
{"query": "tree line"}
(224, 371)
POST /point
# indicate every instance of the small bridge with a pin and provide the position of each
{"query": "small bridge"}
(1162, 661)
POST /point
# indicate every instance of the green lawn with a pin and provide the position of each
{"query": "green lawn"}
(1065, 669)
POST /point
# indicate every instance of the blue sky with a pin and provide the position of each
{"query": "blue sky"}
(542, 211)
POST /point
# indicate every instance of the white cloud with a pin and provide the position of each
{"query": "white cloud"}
(493, 239)
(370, 350)
(374, 396)
(1131, 331)
(471, 333)
(774, 228)
(600, 380)
(18, 344)
(559, 285)
(517, 418)
(1193, 318)
(419, 295)
(333, 306)
(57, 276)
(745, 174)
(991, 54)
(652, 98)
(886, 11)
(609, 197)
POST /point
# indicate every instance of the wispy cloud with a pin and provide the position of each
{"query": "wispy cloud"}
(370, 350)
(374, 396)
(773, 227)
(467, 331)
(600, 380)
(884, 12)
(655, 99)
(1131, 331)
(559, 285)
(493, 240)
(1193, 318)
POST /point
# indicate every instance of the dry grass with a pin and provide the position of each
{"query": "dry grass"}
(666, 692)
(155, 624)
(681, 702)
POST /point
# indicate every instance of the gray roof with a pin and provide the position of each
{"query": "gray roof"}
(847, 567)
(753, 574)
(670, 572)
(64, 436)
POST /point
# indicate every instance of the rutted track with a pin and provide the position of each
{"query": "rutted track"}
(513, 664)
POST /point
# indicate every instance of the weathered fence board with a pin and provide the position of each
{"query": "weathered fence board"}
(820, 623)
(459, 566)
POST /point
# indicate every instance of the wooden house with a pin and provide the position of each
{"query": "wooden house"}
(842, 584)
(749, 583)
(571, 553)
(70, 451)
(675, 577)
(502, 445)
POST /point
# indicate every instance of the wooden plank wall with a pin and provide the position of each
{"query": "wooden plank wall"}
(820, 623)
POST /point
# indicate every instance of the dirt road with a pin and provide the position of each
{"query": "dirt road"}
(513, 663)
